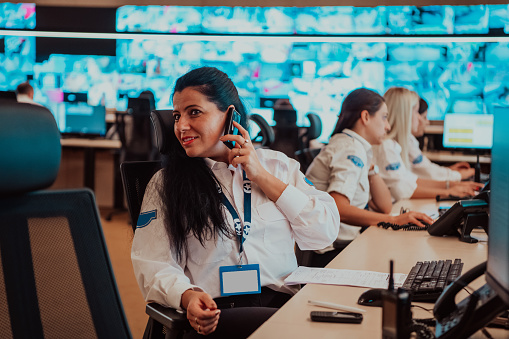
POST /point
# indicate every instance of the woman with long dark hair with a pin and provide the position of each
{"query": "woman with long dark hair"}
(345, 169)
(218, 225)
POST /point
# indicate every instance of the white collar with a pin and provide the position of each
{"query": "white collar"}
(367, 146)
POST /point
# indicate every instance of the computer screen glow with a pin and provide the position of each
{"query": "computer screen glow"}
(468, 131)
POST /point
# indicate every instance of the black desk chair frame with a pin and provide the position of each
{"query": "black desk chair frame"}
(56, 280)
(164, 322)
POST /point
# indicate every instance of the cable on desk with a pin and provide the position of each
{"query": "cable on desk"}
(406, 227)
(422, 330)
(429, 310)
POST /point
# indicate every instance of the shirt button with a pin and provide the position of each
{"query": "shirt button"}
(137, 253)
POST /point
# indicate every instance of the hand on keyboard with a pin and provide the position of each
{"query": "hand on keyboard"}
(411, 217)
(405, 227)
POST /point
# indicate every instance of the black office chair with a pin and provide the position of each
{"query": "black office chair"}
(135, 131)
(306, 156)
(136, 137)
(135, 178)
(164, 322)
(312, 132)
(56, 280)
(266, 135)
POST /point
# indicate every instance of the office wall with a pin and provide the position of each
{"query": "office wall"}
(298, 3)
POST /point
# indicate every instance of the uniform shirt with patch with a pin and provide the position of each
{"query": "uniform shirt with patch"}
(425, 169)
(342, 167)
(399, 179)
(302, 214)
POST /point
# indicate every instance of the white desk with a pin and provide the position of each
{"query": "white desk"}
(372, 251)
(453, 157)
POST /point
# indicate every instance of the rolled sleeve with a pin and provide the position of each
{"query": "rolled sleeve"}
(313, 214)
(292, 201)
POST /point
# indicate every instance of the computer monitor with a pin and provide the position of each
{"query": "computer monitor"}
(473, 131)
(483, 305)
(497, 274)
(75, 97)
(83, 120)
(8, 95)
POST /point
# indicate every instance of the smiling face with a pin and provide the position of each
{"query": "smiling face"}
(378, 126)
(198, 125)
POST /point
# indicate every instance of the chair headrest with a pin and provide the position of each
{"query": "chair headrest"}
(315, 126)
(163, 121)
(266, 130)
(30, 148)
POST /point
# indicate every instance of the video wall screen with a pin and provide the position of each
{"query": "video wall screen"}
(454, 77)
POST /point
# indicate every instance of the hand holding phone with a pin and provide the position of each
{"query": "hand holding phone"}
(336, 317)
(231, 116)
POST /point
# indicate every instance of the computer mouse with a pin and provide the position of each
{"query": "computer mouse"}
(372, 297)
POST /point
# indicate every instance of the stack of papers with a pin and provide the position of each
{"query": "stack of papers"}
(331, 276)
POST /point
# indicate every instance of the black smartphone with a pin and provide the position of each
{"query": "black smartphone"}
(231, 116)
(336, 317)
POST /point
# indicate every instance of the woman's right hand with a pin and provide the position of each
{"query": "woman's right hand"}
(464, 188)
(412, 217)
(202, 311)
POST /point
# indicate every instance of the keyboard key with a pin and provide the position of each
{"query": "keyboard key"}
(427, 279)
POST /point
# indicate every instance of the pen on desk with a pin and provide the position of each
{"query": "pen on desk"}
(335, 306)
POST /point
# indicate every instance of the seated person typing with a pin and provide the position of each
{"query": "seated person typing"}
(392, 156)
(344, 168)
(213, 210)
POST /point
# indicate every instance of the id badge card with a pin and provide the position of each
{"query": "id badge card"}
(235, 280)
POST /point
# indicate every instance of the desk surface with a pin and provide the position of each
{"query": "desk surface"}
(453, 157)
(90, 143)
(371, 251)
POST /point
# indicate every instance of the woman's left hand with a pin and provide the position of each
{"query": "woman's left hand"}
(244, 153)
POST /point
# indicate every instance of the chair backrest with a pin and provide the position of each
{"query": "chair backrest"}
(56, 279)
(135, 177)
(312, 132)
(135, 132)
(315, 126)
(163, 121)
(266, 135)
(306, 156)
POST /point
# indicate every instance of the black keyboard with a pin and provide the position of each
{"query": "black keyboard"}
(406, 227)
(427, 279)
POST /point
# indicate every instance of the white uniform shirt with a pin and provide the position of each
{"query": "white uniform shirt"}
(426, 169)
(399, 179)
(26, 99)
(302, 214)
(342, 167)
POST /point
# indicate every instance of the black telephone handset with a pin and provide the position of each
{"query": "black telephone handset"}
(231, 116)
(463, 319)
(446, 304)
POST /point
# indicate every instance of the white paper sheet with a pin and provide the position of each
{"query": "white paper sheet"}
(331, 276)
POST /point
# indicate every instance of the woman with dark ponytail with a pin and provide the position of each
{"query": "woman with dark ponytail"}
(218, 224)
(345, 169)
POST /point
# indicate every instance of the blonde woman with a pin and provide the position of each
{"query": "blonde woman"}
(392, 156)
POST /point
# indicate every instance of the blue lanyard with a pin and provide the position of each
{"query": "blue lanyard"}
(242, 232)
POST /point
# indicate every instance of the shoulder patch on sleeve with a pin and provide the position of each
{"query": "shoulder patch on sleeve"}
(417, 160)
(356, 161)
(308, 181)
(145, 218)
(394, 166)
